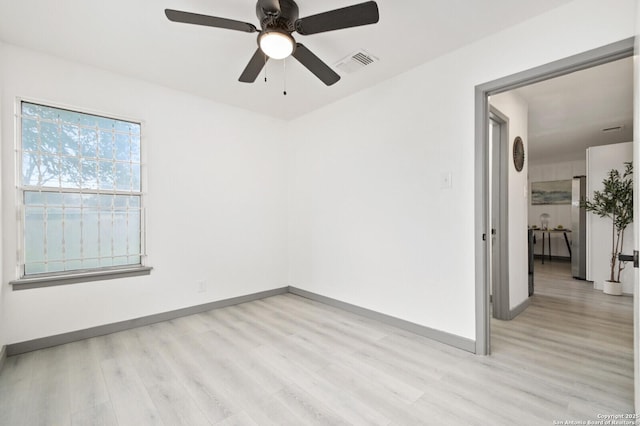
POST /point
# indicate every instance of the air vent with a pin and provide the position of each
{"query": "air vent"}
(613, 129)
(356, 61)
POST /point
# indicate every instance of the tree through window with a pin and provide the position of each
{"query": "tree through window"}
(81, 191)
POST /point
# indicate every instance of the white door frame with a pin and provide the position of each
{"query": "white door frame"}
(591, 58)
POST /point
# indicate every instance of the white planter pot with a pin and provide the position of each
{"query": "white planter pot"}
(613, 288)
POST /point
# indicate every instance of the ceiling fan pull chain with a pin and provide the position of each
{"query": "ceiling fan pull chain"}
(265, 68)
(284, 65)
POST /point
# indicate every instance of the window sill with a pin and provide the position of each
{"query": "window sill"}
(50, 280)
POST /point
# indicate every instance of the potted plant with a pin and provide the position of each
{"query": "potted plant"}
(615, 201)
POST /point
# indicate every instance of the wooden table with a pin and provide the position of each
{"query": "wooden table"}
(548, 232)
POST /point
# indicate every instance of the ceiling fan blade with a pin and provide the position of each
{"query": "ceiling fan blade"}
(315, 65)
(208, 21)
(253, 68)
(347, 17)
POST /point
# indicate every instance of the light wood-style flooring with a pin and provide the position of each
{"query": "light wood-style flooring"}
(287, 360)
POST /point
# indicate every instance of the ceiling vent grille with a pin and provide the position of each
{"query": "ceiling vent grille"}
(356, 61)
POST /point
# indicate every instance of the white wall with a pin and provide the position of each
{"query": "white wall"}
(3, 288)
(371, 224)
(216, 199)
(517, 110)
(560, 213)
(600, 160)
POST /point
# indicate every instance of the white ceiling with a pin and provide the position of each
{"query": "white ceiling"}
(133, 37)
(567, 114)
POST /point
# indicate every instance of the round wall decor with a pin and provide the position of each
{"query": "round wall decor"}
(518, 153)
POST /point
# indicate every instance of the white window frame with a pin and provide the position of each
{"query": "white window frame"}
(73, 276)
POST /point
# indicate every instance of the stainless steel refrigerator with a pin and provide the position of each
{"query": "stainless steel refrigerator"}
(578, 228)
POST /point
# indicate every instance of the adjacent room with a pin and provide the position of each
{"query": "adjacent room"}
(226, 212)
(577, 127)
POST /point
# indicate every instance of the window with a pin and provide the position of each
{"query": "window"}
(80, 190)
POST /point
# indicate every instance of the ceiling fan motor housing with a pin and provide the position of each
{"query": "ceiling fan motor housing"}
(283, 20)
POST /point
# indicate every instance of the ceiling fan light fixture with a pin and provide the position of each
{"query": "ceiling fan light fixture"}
(276, 44)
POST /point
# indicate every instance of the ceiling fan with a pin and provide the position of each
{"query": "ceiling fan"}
(278, 19)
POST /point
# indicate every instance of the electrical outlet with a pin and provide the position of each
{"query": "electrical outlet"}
(201, 286)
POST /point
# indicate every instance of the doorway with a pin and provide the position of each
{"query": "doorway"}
(485, 173)
(498, 194)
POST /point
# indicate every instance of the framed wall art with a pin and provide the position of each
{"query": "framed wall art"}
(551, 192)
